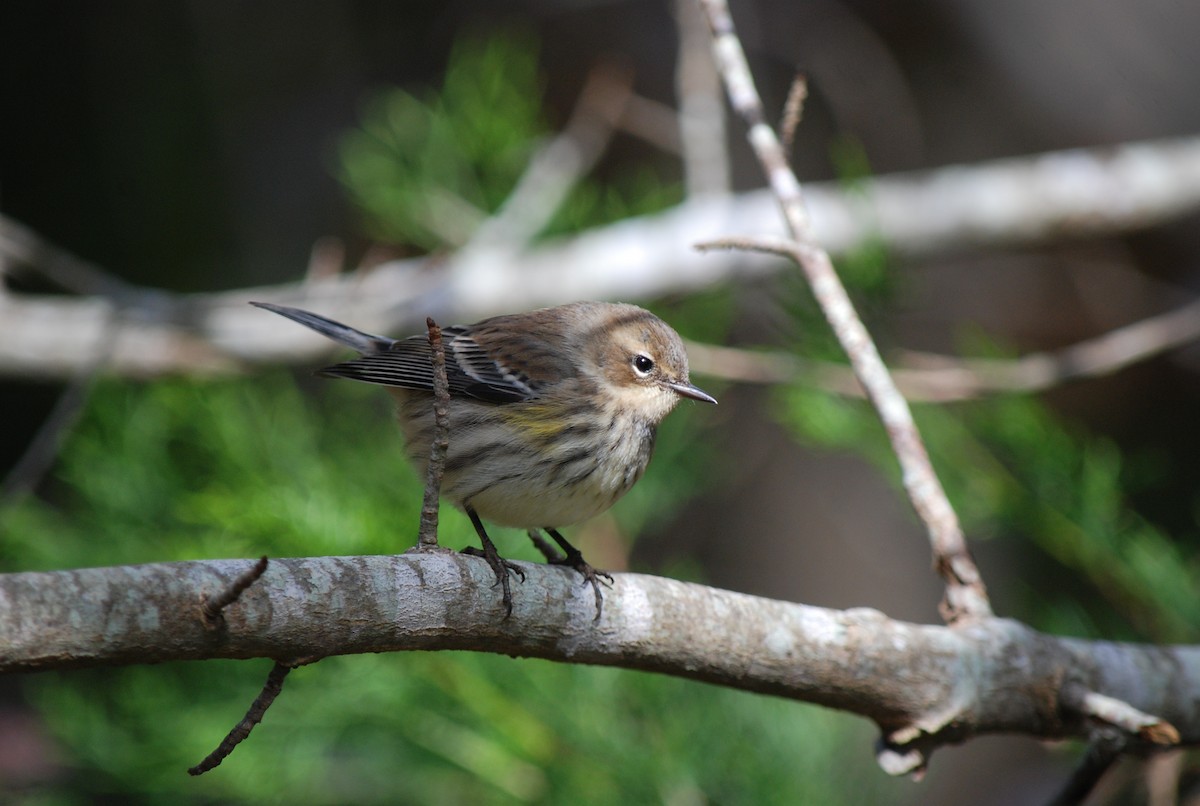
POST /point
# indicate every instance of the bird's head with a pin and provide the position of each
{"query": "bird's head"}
(643, 363)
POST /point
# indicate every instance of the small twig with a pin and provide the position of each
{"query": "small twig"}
(793, 111)
(254, 715)
(210, 609)
(1101, 754)
(427, 533)
(1120, 714)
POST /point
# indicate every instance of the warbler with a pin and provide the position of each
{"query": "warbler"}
(552, 417)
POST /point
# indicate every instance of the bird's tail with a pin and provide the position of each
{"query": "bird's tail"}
(365, 343)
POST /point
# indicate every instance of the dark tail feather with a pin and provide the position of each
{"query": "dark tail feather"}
(365, 343)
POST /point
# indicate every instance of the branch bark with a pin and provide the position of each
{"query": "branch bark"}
(925, 686)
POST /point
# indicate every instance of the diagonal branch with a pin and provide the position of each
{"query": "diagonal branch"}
(966, 596)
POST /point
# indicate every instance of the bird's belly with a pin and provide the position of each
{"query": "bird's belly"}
(548, 487)
(509, 478)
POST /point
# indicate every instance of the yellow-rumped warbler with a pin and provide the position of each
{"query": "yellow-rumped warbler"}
(552, 416)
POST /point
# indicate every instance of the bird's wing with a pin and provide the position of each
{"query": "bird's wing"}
(496, 370)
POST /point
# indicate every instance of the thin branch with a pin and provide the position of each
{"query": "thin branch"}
(258, 709)
(1122, 715)
(966, 596)
(928, 377)
(793, 111)
(427, 534)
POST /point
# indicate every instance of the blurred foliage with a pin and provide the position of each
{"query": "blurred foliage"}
(425, 170)
(183, 469)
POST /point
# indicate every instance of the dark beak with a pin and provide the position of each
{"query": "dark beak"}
(687, 390)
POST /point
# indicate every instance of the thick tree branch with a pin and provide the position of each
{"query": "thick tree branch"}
(924, 685)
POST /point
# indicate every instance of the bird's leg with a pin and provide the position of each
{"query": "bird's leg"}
(574, 559)
(500, 566)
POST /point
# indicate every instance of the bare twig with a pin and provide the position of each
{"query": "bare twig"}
(942, 378)
(793, 111)
(966, 596)
(211, 607)
(1120, 714)
(254, 715)
(427, 534)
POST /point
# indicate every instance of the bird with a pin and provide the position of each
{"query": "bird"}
(553, 413)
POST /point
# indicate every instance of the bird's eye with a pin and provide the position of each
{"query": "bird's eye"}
(642, 364)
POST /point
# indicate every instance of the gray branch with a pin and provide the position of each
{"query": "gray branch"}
(925, 686)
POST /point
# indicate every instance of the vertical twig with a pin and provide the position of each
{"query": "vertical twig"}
(793, 111)
(966, 596)
(427, 533)
(211, 608)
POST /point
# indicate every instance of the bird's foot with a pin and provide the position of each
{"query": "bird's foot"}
(501, 567)
(574, 559)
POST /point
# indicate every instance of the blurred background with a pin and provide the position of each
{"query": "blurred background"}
(202, 147)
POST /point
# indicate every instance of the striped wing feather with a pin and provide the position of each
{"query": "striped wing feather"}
(470, 369)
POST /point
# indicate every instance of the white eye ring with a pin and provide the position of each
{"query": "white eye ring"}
(643, 365)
